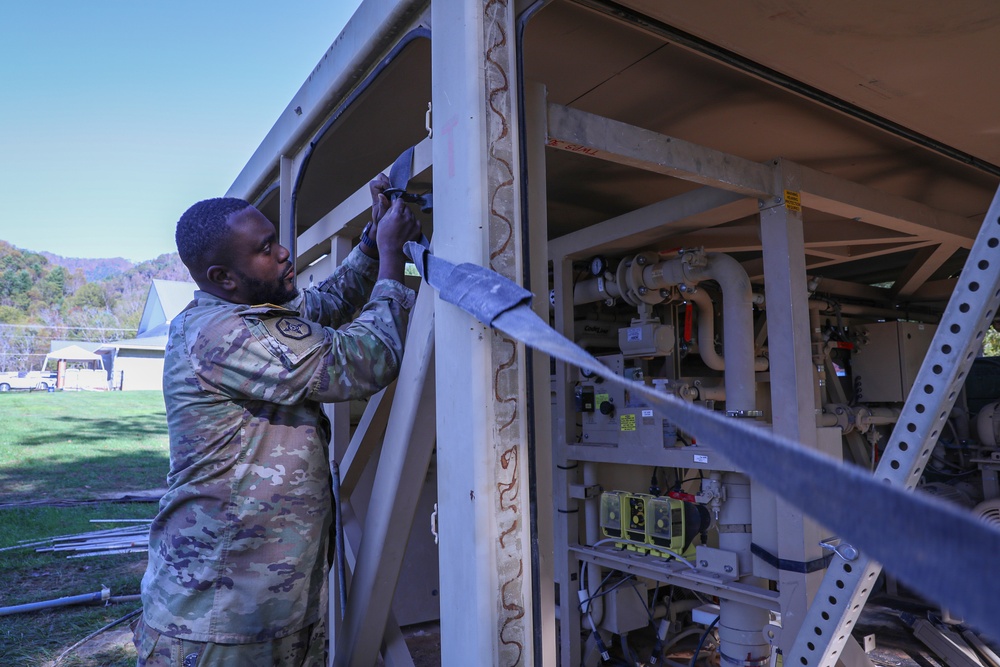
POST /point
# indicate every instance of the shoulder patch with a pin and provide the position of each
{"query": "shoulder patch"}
(292, 327)
(287, 337)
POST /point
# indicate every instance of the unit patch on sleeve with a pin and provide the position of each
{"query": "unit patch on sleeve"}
(292, 327)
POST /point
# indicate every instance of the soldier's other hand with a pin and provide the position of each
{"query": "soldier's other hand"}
(397, 226)
(380, 203)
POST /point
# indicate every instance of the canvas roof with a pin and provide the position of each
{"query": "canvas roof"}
(73, 353)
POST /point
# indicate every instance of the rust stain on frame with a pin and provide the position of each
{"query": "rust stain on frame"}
(511, 633)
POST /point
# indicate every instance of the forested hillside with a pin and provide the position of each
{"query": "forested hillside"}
(45, 297)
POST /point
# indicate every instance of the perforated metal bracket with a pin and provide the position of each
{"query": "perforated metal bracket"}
(826, 628)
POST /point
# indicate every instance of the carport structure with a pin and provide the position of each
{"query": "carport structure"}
(845, 150)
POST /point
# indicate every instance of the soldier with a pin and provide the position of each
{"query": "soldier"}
(238, 550)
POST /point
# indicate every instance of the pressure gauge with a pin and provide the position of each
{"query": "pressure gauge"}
(598, 265)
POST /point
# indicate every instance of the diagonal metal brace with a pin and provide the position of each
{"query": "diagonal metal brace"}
(847, 585)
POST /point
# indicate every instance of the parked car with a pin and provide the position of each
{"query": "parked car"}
(30, 380)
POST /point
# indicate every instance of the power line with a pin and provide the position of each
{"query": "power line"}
(70, 328)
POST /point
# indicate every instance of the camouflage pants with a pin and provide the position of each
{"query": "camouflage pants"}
(305, 648)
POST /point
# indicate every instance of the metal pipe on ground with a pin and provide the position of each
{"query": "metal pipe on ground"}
(99, 596)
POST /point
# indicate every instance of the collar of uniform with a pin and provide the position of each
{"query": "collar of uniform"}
(202, 298)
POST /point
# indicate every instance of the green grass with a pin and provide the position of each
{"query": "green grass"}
(72, 447)
(81, 445)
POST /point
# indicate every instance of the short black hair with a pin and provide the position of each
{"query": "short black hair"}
(202, 230)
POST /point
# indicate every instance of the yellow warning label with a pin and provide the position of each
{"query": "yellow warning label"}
(792, 201)
(627, 422)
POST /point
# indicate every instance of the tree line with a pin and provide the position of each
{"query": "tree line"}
(44, 297)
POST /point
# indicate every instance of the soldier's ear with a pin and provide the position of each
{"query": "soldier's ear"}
(222, 278)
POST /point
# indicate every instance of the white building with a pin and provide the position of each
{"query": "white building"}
(137, 363)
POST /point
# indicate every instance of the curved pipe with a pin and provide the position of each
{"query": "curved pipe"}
(706, 334)
(737, 317)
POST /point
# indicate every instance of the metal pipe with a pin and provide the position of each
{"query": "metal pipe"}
(741, 640)
(596, 289)
(99, 596)
(592, 533)
(706, 334)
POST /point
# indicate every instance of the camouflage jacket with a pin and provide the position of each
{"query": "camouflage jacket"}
(237, 553)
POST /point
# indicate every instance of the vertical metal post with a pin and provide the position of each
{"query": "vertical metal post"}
(339, 415)
(795, 537)
(538, 242)
(482, 459)
(567, 523)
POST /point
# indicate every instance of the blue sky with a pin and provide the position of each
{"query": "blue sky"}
(116, 115)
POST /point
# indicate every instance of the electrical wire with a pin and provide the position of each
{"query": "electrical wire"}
(701, 642)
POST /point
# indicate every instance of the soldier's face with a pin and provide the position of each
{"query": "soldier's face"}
(260, 263)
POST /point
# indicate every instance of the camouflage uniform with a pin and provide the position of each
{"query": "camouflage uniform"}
(237, 553)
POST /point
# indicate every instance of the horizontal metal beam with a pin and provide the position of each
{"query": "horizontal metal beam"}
(818, 258)
(585, 133)
(844, 288)
(854, 201)
(842, 232)
(683, 214)
(675, 573)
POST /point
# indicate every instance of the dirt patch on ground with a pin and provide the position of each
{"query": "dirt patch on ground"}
(113, 645)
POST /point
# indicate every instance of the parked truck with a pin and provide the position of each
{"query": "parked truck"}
(30, 380)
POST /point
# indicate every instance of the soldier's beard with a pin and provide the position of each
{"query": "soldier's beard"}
(261, 292)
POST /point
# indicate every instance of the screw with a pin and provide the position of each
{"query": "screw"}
(664, 293)
(728, 568)
(703, 563)
(642, 291)
(640, 260)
